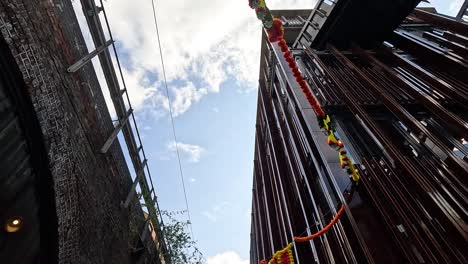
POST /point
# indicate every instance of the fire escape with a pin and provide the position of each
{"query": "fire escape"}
(126, 125)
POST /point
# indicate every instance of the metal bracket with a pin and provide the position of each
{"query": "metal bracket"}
(130, 194)
(95, 11)
(116, 131)
(154, 198)
(145, 231)
(88, 57)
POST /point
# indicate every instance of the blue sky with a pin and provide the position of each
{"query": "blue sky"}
(448, 7)
(211, 51)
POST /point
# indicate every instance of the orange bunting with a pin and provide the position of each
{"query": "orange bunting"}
(324, 230)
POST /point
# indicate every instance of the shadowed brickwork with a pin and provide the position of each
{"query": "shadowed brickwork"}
(45, 39)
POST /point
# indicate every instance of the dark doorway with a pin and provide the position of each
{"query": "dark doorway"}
(28, 231)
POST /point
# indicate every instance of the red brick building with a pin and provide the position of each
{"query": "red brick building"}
(64, 181)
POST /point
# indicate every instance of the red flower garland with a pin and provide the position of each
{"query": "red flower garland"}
(295, 70)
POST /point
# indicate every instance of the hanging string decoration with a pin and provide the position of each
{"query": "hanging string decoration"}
(275, 30)
(283, 256)
(323, 230)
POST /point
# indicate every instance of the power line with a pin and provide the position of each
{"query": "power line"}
(172, 117)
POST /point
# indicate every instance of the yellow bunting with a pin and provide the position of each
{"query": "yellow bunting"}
(327, 122)
(283, 256)
(354, 172)
(331, 139)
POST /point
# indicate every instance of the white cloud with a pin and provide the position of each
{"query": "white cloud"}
(216, 211)
(455, 6)
(215, 109)
(212, 217)
(228, 257)
(192, 152)
(207, 41)
(185, 96)
(192, 180)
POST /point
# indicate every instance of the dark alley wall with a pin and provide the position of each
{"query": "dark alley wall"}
(45, 39)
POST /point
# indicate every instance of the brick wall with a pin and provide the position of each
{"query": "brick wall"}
(45, 39)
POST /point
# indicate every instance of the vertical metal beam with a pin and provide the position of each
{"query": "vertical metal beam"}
(417, 241)
(112, 81)
(110, 75)
(463, 10)
(451, 120)
(429, 54)
(145, 231)
(440, 85)
(401, 113)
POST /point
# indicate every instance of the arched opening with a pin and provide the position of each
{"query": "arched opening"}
(28, 231)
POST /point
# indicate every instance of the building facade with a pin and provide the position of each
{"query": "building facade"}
(394, 80)
(66, 192)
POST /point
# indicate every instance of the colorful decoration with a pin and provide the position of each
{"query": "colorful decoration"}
(262, 11)
(324, 230)
(283, 256)
(275, 30)
(324, 119)
(255, 3)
